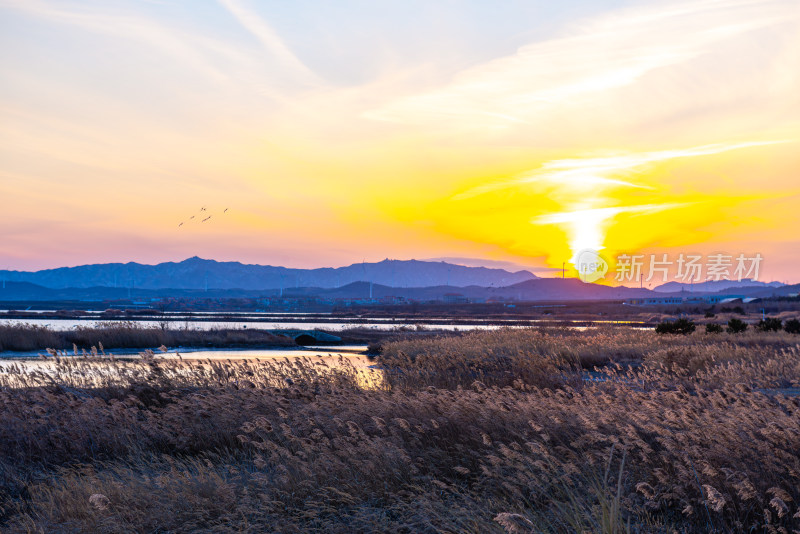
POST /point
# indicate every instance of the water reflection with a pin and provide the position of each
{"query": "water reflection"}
(92, 371)
(306, 322)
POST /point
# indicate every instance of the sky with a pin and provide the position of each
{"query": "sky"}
(320, 133)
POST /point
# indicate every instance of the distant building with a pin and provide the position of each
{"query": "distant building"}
(654, 301)
(694, 299)
(723, 299)
(455, 298)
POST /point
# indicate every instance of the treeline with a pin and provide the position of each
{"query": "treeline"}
(734, 326)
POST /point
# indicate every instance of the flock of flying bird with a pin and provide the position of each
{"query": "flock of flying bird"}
(200, 213)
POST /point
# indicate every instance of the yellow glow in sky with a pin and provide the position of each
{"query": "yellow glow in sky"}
(335, 132)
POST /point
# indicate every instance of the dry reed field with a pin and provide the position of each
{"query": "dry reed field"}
(540, 430)
(128, 334)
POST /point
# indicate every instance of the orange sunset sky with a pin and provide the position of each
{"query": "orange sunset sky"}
(333, 132)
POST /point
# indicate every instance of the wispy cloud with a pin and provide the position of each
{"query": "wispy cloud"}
(591, 174)
(607, 53)
(600, 214)
(268, 38)
(191, 49)
(221, 61)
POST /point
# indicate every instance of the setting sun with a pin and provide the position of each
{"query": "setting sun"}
(603, 131)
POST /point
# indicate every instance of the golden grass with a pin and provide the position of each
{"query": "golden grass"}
(694, 442)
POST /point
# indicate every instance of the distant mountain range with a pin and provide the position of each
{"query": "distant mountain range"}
(713, 286)
(536, 289)
(197, 273)
(419, 280)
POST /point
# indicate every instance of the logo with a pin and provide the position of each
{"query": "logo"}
(591, 266)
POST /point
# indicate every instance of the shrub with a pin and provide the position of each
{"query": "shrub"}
(736, 326)
(770, 324)
(681, 326)
(792, 326)
(714, 328)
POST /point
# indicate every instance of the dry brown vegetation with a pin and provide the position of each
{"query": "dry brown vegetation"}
(487, 432)
(128, 334)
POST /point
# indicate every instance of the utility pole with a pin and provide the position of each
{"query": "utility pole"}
(563, 270)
